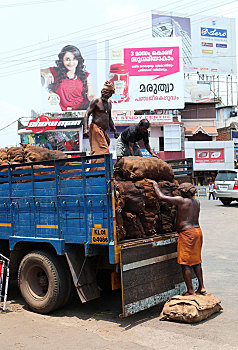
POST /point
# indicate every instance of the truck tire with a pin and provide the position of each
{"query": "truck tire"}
(225, 201)
(44, 281)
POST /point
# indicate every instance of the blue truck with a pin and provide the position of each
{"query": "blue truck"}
(58, 226)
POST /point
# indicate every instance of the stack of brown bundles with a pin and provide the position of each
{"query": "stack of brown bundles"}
(3, 156)
(28, 153)
(15, 155)
(38, 154)
(139, 213)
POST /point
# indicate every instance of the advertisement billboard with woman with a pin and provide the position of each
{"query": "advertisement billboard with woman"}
(68, 80)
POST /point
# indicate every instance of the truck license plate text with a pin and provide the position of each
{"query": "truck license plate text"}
(100, 235)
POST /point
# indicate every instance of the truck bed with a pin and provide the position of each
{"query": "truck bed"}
(71, 206)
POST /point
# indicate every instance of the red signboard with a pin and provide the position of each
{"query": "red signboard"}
(209, 155)
(44, 123)
(41, 124)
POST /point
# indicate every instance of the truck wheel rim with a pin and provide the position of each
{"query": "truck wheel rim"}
(37, 281)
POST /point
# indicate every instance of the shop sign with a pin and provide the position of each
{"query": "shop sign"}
(44, 123)
(163, 118)
(235, 138)
(209, 155)
(145, 153)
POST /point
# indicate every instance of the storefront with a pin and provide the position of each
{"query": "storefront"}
(59, 132)
(209, 157)
(166, 134)
(65, 133)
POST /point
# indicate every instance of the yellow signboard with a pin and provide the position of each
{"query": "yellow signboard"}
(100, 235)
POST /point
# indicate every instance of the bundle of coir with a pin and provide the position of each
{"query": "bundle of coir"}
(139, 212)
(27, 154)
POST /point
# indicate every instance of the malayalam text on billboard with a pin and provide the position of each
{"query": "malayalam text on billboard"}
(149, 76)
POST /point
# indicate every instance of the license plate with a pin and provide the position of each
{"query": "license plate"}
(223, 188)
(100, 235)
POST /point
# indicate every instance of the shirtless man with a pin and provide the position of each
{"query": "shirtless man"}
(100, 109)
(190, 234)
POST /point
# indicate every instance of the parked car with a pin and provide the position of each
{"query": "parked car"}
(226, 186)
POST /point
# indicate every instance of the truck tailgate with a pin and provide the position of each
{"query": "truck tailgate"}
(150, 274)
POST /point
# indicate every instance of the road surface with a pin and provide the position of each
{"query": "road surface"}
(96, 325)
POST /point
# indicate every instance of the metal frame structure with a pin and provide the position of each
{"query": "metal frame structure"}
(4, 279)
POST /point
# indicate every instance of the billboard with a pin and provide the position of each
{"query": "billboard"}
(209, 155)
(147, 76)
(69, 76)
(197, 91)
(208, 44)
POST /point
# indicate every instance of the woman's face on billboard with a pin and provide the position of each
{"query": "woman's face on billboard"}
(70, 62)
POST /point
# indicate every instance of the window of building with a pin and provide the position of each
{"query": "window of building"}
(172, 137)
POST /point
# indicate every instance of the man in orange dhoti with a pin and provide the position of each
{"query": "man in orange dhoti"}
(190, 234)
(100, 109)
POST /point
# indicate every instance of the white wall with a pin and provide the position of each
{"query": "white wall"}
(228, 146)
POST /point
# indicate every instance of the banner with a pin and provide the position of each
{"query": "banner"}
(163, 118)
(197, 91)
(208, 44)
(209, 155)
(148, 76)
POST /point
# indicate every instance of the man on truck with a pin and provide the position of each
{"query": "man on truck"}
(100, 109)
(190, 234)
(127, 142)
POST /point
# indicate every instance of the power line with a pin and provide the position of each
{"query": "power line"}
(5, 127)
(115, 38)
(29, 3)
(87, 29)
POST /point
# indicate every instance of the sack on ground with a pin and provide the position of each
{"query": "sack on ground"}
(191, 308)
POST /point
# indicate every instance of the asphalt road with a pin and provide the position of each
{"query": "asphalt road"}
(96, 325)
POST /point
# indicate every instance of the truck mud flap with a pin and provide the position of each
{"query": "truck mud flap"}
(150, 275)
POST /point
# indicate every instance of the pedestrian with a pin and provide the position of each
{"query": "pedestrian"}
(211, 191)
(190, 234)
(100, 109)
(127, 142)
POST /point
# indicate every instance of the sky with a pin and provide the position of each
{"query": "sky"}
(30, 29)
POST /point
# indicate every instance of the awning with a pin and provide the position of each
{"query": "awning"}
(234, 125)
(208, 130)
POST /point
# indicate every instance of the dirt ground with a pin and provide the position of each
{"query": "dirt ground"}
(96, 325)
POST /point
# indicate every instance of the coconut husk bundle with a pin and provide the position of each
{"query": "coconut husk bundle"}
(133, 225)
(28, 153)
(38, 154)
(15, 155)
(136, 168)
(3, 157)
(139, 212)
(168, 211)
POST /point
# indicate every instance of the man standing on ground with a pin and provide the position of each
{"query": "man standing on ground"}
(211, 191)
(127, 142)
(100, 109)
(190, 235)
